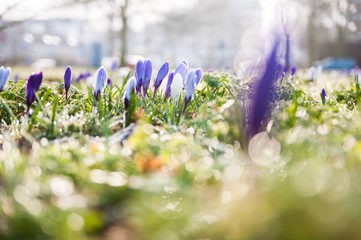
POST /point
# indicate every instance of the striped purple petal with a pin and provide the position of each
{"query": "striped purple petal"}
(162, 73)
(169, 84)
(147, 75)
(139, 75)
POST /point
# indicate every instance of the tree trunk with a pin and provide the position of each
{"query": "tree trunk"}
(124, 34)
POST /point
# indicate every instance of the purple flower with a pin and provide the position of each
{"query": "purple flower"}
(32, 87)
(162, 73)
(16, 78)
(323, 96)
(293, 70)
(169, 84)
(263, 92)
(4, 77)
(182, 69)
(190, 87)
(147, 76)
(199, 75)
(139, 76)
(67, 81)
(109, 82)
(128, 91)
(100, 78)
(114, 66)
(82, 76)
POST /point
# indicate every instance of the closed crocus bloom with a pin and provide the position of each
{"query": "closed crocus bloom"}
(100, 80)
(169, 84)
(199, 75)
(190, 86)
(162, 73)
(139, 76)
(148, 69)
(109, 82)
(128, 91)
(32, 87)
(67, 81)
(176, 87)
(182, 69)
(4, 77)
(323, 96)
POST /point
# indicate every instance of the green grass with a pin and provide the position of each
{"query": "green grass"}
(65, 172)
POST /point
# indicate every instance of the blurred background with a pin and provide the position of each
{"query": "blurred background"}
(213, 34)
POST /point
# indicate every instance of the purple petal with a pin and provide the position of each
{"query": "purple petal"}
(263, 92)
(182, 69)
(139, 75)
(32, 87)
(162, 73)
(169, 84)
(67, 78)
(147, 75)
(100, 78)
(323, 95)
(199, 74)
(190, 86)
(128, 91)
(109, 82)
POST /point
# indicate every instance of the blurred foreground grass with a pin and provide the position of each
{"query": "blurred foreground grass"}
(66, 175)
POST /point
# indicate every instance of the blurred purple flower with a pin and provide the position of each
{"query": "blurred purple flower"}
(16, 78)
(32, 87)
(4, 77)
(100, 80)
(83, 76)
(293, 70)
(323, 96)
(114, 66)
(148, 69)
(199, 74)
(128, 91)
(162, 73)
(109, 83)
(139, 76)
(67, 81)
(169, 84)
(263, 92)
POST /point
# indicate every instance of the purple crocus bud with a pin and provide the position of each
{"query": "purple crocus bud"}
(263, 92)
(169, 84)
(67, 81)
(109, 82)
(100, 80)
(16, 78)
(182, 69)
(32, 87)
(293, 70)
(162, 73)
(114, 66)
(128, 91)
(323, 96)
(139, 76)
(147, 76)
(4, 77)
(190, 87)
(185, 63)
(199, 74)
(82, 76)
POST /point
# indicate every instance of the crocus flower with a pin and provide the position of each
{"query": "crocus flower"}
(293, 70)
(109, 82)
(32, 87)
(139, 76)
(176, 87)
(4, 77)
(100, 80)
(114, 66)
(162, 73)
(323, 96)
(199, 74)
(16, 78)
(147, 76)
(182, 69)
(82, 76)
(190, 86)
(67, 81)
(169, 84)
(128, 91)
(261, 100)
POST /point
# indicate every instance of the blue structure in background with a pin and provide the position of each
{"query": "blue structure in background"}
(96, 55)
(336, 63)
